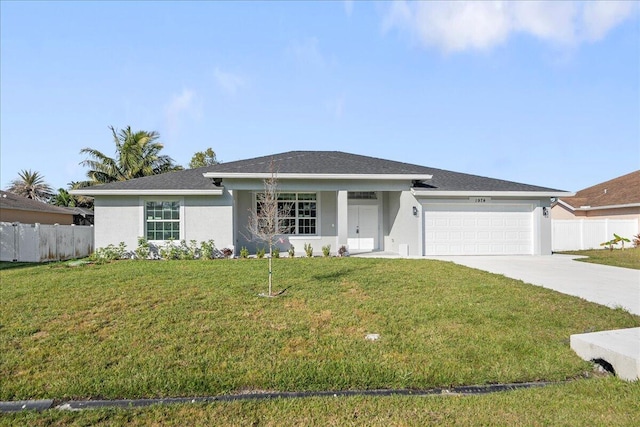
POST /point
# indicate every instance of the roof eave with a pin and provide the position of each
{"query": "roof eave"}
(328, 176)
(565, 204)
(148, 192)
(46, 211)
(456, 193)
(597, 208)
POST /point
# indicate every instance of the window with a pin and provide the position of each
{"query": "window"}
(163, 220)
(362, 195)
(297, 212)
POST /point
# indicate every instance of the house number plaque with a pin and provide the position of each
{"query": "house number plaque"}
(480, 199)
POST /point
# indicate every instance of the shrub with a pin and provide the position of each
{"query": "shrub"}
(110, 253)
(343, 251)
(275, 252)
(169, 251)
(208, 250)
(261, 252)
(244, 253)
(308, 249)
(188, 251)
(142, 251)
(326, 251)
(226, 252)
(292, 251)
(616, 239)
(636, 241)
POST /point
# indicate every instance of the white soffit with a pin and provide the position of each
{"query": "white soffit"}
(431, 193)
(373, 176)
(147, 192)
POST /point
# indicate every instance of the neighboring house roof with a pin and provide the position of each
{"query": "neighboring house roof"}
(319, 165)
(81, 211)
(622, 191)
(13, 201)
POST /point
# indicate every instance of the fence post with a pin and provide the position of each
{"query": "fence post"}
(16, 241)
(37, 239)
(581, 233)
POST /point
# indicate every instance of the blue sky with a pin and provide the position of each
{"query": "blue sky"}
(543, 93)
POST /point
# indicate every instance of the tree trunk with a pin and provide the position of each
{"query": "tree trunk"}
(270, 259)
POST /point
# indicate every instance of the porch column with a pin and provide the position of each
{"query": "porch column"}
(342, 218)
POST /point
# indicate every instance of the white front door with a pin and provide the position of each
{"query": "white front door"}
(363, 228)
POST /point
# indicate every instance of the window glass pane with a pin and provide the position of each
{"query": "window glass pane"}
(293, 208)
(362, 195)
(162, 220)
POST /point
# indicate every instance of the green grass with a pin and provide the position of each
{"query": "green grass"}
(5, 265)
(594, 402)
(628, 258)
(186, 328)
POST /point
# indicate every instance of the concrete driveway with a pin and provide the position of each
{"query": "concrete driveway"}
(602, 284)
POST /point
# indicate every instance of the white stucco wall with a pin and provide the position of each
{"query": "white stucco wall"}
(209, 217)
(401, 226)
(542, 227)
(116, 219)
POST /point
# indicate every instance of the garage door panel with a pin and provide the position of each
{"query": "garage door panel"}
(492, 229)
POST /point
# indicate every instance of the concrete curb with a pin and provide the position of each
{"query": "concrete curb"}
(79, 405)
(26, 405)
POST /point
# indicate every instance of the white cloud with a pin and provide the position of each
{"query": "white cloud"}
(601, 16)
(229, 82)
(554, 21)
(184, 103)
(482, 25)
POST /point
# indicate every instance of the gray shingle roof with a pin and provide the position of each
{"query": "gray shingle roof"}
(321, 162)
(13, 201)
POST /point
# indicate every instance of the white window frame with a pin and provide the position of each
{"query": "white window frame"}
(297, 218)
(143, 216)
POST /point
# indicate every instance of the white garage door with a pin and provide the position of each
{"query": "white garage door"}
(478, 229)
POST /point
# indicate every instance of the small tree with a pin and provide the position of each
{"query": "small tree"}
(203, 158)
(268, 221)
(616, 239)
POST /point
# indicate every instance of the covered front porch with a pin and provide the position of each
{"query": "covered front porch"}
(361, 220)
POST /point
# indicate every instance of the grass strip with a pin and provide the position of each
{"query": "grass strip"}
(594, 402)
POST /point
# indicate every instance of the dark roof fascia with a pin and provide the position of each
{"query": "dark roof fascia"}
(422, 192)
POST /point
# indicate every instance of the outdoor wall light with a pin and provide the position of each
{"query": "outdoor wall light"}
(545, 212)
(415, 211)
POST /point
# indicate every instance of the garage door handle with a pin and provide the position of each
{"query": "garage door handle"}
(357, 229)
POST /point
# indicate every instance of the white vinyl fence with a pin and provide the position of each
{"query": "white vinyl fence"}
(43, 242)
(578, 234)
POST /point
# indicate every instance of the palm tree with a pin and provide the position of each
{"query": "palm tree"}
(63, 198)
(137, 155)
(31, 185)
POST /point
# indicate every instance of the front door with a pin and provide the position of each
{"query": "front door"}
(363, 228)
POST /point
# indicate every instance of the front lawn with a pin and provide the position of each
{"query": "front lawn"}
(627, 258)
(186, 328)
